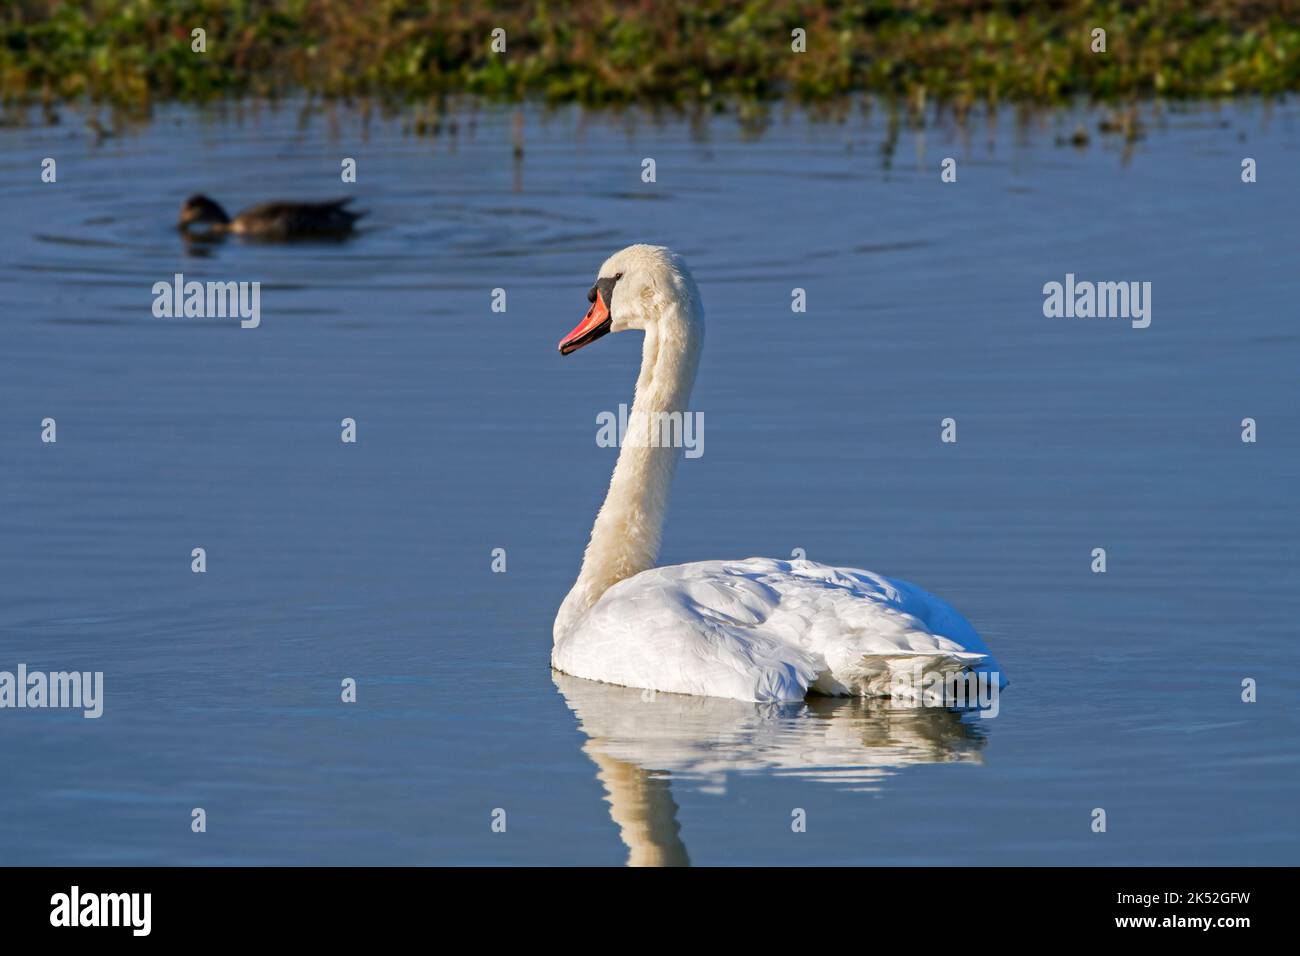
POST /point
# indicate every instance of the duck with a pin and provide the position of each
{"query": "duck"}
(754, 629)
(271, 220)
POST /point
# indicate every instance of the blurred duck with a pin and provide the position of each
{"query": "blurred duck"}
(272, 220)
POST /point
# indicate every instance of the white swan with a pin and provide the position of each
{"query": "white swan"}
(753, 630)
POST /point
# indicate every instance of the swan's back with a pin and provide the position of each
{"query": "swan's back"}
(762, 629)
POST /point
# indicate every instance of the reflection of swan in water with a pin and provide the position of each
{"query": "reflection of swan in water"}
(640, 741)
(642, 805)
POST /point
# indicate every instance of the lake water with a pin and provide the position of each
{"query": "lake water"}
(373, 560)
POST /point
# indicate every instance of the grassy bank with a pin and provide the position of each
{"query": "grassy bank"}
(133, 52)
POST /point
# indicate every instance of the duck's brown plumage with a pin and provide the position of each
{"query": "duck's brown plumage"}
(286, 219)
(274, 220)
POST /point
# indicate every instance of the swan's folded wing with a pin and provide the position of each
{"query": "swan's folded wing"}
(687, 629)
(761, 629)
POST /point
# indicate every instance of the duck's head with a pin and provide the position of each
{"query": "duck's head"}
(200, 209)
(639, 287)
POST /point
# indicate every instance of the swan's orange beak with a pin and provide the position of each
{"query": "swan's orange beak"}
(593, 325)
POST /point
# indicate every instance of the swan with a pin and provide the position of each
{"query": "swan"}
(757, 629)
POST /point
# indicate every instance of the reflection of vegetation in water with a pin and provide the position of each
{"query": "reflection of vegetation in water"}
(602, 51)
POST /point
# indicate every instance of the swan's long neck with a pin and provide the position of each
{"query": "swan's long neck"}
(625, 538)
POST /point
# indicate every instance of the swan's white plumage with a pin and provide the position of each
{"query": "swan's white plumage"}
(753, 630)
(762, 630)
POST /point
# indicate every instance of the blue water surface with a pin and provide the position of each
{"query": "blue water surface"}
(373, 560)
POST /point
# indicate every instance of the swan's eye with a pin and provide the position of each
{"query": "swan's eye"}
(617, 276)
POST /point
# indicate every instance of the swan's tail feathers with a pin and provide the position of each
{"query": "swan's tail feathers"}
(912, 678)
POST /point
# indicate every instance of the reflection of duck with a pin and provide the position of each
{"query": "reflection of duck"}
(640, 741)
(753, 630)
(272, 220)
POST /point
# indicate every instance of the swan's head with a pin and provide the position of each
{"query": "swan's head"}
(632, 291)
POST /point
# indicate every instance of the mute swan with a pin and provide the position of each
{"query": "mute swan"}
(751, 630)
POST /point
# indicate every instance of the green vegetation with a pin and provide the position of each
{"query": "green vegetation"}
(132, 52)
